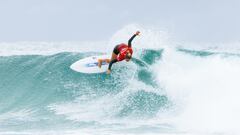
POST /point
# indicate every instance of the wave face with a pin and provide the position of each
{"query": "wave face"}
(164, 90)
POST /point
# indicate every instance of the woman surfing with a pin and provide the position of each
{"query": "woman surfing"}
(120, 52)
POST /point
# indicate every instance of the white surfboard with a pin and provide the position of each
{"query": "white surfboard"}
(90, 65)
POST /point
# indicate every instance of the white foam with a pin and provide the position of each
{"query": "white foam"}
(150, 38)
(206, 90)
(24, 114)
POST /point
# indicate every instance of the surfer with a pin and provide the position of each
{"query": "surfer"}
(120, 52)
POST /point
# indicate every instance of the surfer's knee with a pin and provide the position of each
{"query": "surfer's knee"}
(108, 60)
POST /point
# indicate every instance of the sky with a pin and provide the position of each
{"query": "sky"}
(93, 20)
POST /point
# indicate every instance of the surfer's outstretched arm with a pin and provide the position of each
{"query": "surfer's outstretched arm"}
(110, 64)
(131, 39)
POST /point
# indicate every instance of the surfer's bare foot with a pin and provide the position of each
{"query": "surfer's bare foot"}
(99, 63)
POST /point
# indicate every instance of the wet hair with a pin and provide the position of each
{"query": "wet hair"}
(128, 56)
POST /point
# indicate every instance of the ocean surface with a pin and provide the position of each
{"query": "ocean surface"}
(166, 89)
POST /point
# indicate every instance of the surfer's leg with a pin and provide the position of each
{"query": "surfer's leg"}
(108, 60)
(115, 53)
(100, 63)
(114, 56)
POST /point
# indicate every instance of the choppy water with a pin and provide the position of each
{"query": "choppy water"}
(173, 90)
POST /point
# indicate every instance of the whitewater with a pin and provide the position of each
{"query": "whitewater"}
(169, 88)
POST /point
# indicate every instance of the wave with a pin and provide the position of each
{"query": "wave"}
(165, 89)
(40, 85)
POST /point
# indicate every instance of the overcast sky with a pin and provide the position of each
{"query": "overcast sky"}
(93, 20)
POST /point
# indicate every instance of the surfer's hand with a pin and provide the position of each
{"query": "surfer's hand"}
(137, 33)
(108, 71)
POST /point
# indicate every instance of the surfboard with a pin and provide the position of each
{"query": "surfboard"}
(90, 65)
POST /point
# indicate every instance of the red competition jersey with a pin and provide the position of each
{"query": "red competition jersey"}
(123, 49)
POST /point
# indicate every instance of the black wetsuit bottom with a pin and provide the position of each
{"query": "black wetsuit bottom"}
(115, 50)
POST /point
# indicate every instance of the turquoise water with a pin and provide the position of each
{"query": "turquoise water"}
(40, 94)
(31, 84)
